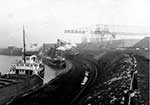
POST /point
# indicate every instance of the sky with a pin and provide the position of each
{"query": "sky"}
(46, 20)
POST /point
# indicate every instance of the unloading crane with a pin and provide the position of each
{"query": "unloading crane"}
(101, 31)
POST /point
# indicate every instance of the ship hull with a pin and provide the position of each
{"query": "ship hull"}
(56, 64)
(15, 86)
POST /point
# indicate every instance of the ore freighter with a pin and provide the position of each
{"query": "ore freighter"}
(56, 63)
(24, 77)
(55, 58)
(57, 55)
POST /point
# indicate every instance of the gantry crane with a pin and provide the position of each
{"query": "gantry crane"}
(101, 30)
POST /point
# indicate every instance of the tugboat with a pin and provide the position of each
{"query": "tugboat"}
(23, 78)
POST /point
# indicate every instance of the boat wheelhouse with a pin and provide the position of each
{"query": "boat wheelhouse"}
(32, 66)
(23, 78)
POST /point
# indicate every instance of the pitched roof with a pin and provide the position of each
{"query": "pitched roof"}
(144, 43)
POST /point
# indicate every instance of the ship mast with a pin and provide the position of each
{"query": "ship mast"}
(24, 45)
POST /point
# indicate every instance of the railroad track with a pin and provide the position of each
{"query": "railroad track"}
(82, 75)
(133, 77)
(91, 67)
(131, 90)
(68, 88)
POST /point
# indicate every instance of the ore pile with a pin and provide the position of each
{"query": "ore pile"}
(120, 85)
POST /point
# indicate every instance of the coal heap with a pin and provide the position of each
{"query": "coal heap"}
(144, 43)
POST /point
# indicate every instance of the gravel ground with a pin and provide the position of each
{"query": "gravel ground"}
(116, 71)
(113, 86)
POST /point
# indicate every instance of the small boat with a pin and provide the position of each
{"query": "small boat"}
(24, 77)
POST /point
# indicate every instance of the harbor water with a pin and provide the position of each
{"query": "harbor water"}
(7, 61)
